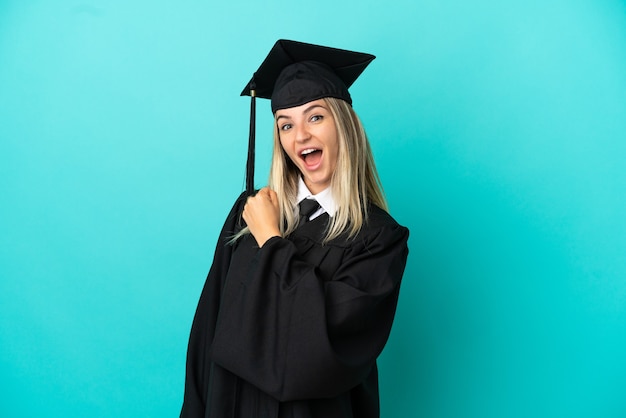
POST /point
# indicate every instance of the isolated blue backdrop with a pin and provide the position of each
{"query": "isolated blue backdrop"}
(499, 128)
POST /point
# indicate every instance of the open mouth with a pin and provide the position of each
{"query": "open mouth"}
(311, 156)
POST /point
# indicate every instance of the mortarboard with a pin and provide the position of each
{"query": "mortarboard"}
(295, 73)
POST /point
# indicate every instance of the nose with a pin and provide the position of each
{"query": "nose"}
(302, 132)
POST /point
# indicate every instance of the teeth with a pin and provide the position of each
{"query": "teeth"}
(308, 151)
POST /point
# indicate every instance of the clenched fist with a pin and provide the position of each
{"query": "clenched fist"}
(261, 213)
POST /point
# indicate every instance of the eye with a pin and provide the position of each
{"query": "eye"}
(316, 118)
(285, 127)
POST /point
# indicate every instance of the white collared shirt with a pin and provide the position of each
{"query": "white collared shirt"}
(324, 198)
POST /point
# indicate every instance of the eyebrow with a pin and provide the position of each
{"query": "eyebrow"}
(304, 112)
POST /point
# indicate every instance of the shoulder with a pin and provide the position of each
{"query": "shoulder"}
(237, 207)
(234, 223)
(241, 199)
(379, 218)
(379, 228)
(380, 225)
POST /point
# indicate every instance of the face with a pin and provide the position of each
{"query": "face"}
(309, 137)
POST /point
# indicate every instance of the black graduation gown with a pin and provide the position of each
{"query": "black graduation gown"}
(293, 330)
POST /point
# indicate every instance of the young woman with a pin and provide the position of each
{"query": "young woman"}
(297, 306)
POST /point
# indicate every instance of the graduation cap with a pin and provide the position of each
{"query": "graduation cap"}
(295, 73)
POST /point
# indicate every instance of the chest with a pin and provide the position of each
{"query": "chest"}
(326, 259)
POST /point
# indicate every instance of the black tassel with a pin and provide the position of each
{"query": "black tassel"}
(251, 140)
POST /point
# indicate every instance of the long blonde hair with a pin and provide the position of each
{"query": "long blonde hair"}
(354, 185)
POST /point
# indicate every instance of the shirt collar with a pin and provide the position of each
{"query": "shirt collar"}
(324, 198)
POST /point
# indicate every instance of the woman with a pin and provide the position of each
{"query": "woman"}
(298, 306)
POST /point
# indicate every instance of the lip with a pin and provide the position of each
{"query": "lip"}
(305, 151)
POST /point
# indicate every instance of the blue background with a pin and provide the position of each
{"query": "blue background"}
(499, 129)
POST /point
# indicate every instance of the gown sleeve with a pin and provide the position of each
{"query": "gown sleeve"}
(197, 374)
(296, 336)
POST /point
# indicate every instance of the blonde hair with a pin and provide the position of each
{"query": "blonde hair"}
(355, 184)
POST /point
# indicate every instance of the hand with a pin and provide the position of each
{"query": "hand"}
(261, 214)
